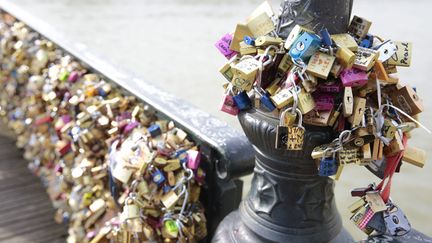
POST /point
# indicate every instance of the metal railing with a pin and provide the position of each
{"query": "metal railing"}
(227, 152)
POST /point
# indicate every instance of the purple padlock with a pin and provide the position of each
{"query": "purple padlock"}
(329, 87)
(194, 159)
(323, 102)
(223, 45)
(353, 77)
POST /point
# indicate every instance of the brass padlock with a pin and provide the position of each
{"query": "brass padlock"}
(359, 27)
(358, 111)
(407, 100)
(296, 134)
(365, 58)
(306, 102)
(345, 41)
(402, 57)
(320, 65)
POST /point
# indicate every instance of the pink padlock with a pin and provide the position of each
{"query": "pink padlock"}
(353, 77)
(223, 45)
(323, 102)
(228, 105)
(194, 159)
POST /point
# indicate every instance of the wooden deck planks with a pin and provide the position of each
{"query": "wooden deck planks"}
(26, 213)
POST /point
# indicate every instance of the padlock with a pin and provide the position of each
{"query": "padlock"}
(260, 25)
(386, 50)
(345, 41)
(402, 57)
(349, 156)
(365, 58)
(295, 33)
(348, 102)
(267, 40)
(227, 104)
(407, 100)
(353, 77)
(414, 156)
(285, 63)
(248, 40)
(283, 98)
(325, 37)
(241, 30)
(317, 118)
(282, 128)
(306, 102)
(305, 46)
(246, 49)
(358, 111)
(375, 201)
(389, 128)
(345, 57)
(296, 134)
(309, 82)
(395, 146)
(323, 101)
(359, 27)
(223, 45)
(130, 210)
(169, 199)
(241, 83)
(320, 65)
(330, 87)
(158, 177)
(367, 41)
(265, 99)
(226, 71)
(396, 222)
(154, 130)
(170, 229)
(328, 166)
(242, 101)
(194, 159)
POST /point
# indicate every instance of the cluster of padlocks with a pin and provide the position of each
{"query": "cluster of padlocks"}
(114, 171)
(346, 81)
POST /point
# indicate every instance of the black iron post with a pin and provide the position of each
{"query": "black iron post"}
(288, 201)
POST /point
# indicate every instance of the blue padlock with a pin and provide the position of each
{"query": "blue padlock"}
(242, 101)
(367, 42)
(158, 177)
(328, 167)
(265, 99)
(154, 130)
(249, 40)
(326, 38)
(305, 46)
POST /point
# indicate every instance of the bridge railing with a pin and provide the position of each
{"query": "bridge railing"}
(227, 153)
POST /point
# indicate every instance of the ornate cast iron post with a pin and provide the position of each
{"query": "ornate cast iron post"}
(288, 201)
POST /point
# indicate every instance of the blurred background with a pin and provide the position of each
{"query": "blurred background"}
(171, 44)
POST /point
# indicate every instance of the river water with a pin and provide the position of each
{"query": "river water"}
(170, 42)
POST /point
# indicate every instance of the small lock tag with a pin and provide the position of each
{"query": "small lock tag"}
(295, 33)
(305, 46)
(226, 71)
(386, 50)
(414, 156)
(365, 59)
(296, 134)
(328, 166)
(345, 57)
(353, 77)
(223, 46)
(345, 41)
(349, 156)
(320, 64)
(323, 101)
(358, 111)
(241, 30)
(306, 102)
(260, 24)
(407, 99)
(130, 210)
(375, 201)
(317, 118)
(396, 222)
(359, 27)
(169, 199)
(247, 49)
(247, 69)
(402, 57)
(283, 98)
(348, 102)
(228, 105)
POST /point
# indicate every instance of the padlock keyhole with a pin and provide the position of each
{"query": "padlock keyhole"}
(395, 219)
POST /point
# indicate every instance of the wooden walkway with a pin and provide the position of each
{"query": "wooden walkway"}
(26, 213)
